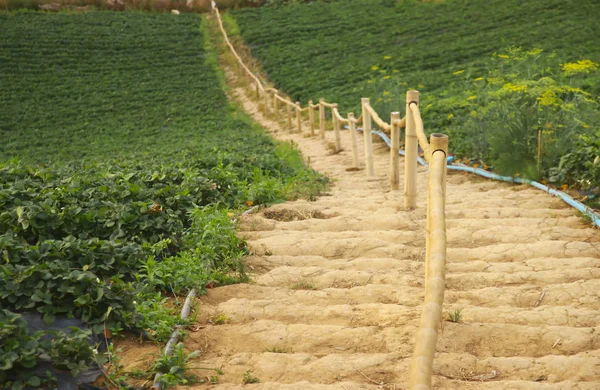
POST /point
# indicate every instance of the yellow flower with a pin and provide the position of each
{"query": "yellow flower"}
(379, 100)
(473, 97)
(581, 66)
(450, 116)
(395, 71)
(387, 77)
(549, 98)
(534, 52)
(386, 93)
(479, 79)
(514, 87)
(374, 68)
(459, 72)
(387, 57)
(370, 81)
(503, 56)
(585, 126)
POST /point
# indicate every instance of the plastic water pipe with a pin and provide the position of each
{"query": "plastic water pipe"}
(509, 179)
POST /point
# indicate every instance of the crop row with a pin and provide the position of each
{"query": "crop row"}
(121, 166)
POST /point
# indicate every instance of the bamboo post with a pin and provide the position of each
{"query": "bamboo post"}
(289, 117)
(336, 129)
(394, 152)
(322, 117)
(421, 366)
(354, 140)
(266, 101)
(367, 136)
(412, 151)
(539, 152)
(298, 118)
(311, 118)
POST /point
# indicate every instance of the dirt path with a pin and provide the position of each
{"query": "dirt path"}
(338, 286)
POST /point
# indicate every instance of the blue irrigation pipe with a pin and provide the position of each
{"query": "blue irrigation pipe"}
(509, 179)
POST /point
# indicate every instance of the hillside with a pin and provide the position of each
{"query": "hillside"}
(499, 77)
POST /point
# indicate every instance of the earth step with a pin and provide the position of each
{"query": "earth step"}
(305, 385)
(240, 310)
(319, 278)
(288, 236)
(393, 368)
(456, 237)
(519, 252)
(267, 263)
(577, 295)
(487, 339)
(398, 221)
(343, 248)
(506, 212)
(475, 280)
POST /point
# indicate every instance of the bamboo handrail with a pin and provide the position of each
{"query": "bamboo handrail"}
(419, 130)
(375, 117)
(435, 153)
(421, 366)
(329, 105)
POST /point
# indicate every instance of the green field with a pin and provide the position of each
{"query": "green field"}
(461, 55)
(122, 168)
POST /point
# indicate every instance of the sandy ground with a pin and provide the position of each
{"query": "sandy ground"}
(337, 286)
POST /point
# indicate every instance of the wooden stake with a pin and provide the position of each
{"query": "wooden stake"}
(298, 118)
(311, 118)
(367, 137)
(266, 99)
(412, 152)
(421, 367)
(275, 104)
(539, 152)
(322, 117)
(336, 129)
(257, 93)
(289, 117)
(354, 140)
(394, 152)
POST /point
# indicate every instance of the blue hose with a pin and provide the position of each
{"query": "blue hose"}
(509, 179)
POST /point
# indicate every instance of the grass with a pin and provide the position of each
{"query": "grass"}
(248, 378)
(219, 319)
(455, 316)
(302, 285)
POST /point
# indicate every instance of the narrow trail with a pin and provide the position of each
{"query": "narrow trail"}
(338, 286)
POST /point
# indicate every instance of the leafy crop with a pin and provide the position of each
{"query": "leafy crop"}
(449, 51)
(122, 168)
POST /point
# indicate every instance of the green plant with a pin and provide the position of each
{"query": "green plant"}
(174, 368)
(302, 285)
(219, 319)
(455, 315)
(248, 378)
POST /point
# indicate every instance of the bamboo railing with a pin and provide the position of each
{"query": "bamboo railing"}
(435, 151)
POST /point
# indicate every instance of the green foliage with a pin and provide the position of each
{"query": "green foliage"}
(121, 164)
(248, 378)
(174, 368)
(455, 315)
(345, 50)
